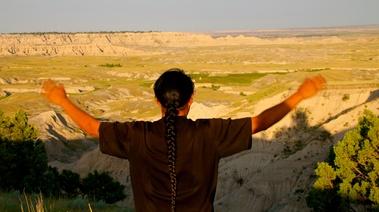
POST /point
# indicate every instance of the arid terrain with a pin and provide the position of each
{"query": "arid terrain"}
(236, 74)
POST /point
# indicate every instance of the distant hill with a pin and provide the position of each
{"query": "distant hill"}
(303, 32)
(151, 43)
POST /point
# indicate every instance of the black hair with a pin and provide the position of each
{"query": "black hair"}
(173, 89)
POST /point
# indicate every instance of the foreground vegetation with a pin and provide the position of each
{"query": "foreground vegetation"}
(24, 169)
(351, 174)
(16, 201)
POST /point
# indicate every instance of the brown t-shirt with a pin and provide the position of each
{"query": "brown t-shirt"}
(199, 144)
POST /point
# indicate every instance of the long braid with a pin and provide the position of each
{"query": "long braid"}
(170, 117)
(173, 89)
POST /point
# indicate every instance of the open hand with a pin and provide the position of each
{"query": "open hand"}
(311, 86)
(54, 92)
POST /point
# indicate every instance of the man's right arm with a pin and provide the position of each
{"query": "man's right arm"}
(56, 94)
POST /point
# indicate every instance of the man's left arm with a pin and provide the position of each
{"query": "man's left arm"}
(269, 117)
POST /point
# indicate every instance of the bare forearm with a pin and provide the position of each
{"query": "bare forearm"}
(85, 121)
(274, 114)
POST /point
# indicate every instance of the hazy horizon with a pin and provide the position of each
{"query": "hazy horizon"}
(19, 16)
(341, 27)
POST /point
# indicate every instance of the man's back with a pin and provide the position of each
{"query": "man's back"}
(199, 146)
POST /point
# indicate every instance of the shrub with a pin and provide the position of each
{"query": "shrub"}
(16, 128)
(326, 200)
(23, 159)
(51, 185)
(215, 87)
(100, 186)
(242, 93)
(354, 173)
(345, 97)
(24, 168)
(111, 65)
(69, 183)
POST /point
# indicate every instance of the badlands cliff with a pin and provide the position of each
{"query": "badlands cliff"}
(123, 44)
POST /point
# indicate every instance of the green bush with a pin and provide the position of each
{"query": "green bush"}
(354, 173)
(100, 186)
(345, 97)
(111, 65)
(51, 185)
(24, 168)
(326, 200)
(242, 93)
(215, 87)
(69, 183)
(23, 159)
(16, 128)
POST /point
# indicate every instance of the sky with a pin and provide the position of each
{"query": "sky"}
(180, 15)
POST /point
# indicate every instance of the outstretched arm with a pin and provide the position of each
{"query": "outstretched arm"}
(267, 118)
(56, 94)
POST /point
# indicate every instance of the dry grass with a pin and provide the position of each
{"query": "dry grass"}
(15, 201)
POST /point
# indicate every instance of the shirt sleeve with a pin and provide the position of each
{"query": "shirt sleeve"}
(231, 135)
(114, 138)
